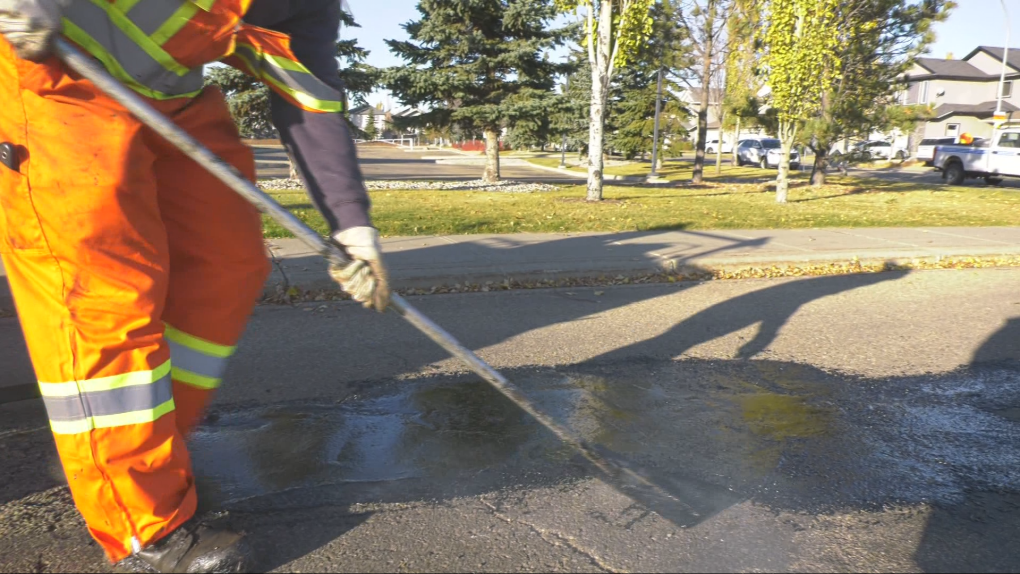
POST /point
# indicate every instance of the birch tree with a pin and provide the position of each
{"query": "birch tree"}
(614, 32)
(800, 43)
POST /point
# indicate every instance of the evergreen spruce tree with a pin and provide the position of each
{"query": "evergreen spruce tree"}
(479, 64)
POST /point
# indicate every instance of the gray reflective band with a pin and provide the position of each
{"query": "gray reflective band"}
(150, 15)
(109, 402)
(182, 357)
(299, 81)
(138, 64)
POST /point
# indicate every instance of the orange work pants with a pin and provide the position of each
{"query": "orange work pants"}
(134, 273)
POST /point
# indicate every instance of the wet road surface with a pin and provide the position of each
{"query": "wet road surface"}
(816, 424)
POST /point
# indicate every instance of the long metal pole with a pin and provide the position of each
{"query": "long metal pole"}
(1005, 57)
(628, 481)
(655, 136)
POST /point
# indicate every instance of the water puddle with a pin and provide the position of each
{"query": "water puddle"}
(783, 434)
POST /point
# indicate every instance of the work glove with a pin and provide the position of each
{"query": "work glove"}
(31, 25)
(365, 278)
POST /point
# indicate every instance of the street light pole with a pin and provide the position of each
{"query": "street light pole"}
(563, 146)
(655, 136)
(1005, 56)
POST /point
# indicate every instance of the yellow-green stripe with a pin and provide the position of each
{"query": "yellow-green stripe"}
(201, 345)
(71, 388)
(194, 379)
(174, 24)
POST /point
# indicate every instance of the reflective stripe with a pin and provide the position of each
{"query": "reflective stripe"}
(174, 23)
(72, 388)
(207, 347)
(105, 402)
(151, 15)
(196, 362)
(194, 379)
(292, 78)
(112, 402)
(137, 61)
(134, 418)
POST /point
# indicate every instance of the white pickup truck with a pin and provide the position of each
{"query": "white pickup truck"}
(991, 159)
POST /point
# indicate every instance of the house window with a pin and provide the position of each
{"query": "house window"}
(952, 129)
(923, 97)
(1007, 88)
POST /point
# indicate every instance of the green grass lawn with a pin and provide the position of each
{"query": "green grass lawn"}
(844, 202)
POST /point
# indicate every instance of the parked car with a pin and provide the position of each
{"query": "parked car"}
(712, 145)
(926, 149)
(765, 153)
(880, 150)
(989, 159)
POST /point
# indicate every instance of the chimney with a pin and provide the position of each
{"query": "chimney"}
(949, 55)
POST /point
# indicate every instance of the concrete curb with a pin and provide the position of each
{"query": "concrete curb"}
(671, 265)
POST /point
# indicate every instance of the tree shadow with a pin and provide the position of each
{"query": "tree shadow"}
(770, 308)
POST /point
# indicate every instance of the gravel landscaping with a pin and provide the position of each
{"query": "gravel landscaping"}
(505, 186)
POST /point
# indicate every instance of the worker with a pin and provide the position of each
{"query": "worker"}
(133, 270)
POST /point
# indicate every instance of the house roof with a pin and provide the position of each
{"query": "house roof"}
(1014, 55)
(986, 109)
(367, 110)
(952, 68)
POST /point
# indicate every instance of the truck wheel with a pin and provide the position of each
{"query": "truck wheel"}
(993, 180)
(955, 173)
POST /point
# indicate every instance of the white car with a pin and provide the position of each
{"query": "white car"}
(712, 145)
(880, 150)
(765, 153)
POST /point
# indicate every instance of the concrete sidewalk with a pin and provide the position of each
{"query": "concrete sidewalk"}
(448, 260)
(424, 262)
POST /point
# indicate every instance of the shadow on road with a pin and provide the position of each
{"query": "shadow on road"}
(713, 433)
(978, 531)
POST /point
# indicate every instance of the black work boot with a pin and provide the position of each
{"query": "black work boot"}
(195, 546)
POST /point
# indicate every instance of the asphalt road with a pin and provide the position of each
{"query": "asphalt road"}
(847, 423)
(383, 162)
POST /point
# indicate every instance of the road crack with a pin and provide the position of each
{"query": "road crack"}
(554, 538)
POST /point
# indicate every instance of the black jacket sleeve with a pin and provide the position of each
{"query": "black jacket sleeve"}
(320, 143)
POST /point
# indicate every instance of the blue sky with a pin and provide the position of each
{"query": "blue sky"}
(973, 22)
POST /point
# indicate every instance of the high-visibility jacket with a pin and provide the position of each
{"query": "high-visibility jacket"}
(158, 48)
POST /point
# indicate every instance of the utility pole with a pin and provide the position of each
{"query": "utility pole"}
(563, 146)
(1002, 75)
(655, 136)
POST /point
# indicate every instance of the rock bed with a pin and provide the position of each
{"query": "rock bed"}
(505, 186)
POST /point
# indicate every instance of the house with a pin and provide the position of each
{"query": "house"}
(963, 92)
(362, 116)
(692, 99)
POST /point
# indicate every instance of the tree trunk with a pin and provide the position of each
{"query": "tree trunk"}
(293, 167)
(699, 148)
(601, 64)
(736, 138)
(787, 133)
(821, 165)
(491, 174)
(718, 148)
(706, 91)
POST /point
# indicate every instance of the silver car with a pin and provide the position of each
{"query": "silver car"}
(765, 153)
